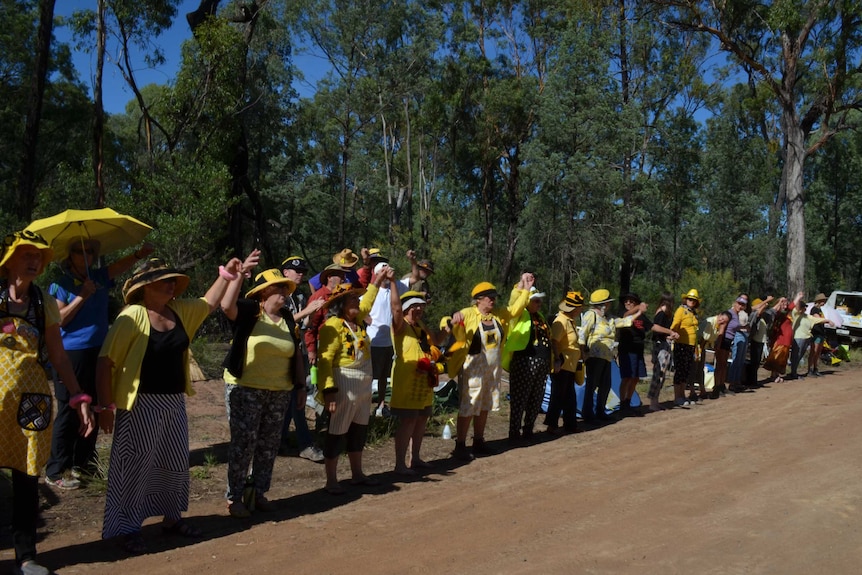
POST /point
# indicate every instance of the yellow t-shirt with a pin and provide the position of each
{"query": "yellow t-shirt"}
(268, 358)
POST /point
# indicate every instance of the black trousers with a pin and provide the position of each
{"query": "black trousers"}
(68, 448)
(598, 381)
(563, 400)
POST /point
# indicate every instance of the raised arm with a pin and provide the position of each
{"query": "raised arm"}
(123, 265)
(218, 287)
(231, 293)
(395, 305)
(414, 268)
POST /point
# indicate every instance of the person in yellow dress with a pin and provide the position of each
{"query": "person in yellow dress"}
(414, 376)
(30, 320)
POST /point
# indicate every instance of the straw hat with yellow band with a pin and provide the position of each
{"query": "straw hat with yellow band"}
(25, 238)
(271, 277)
(345, 258)
(426, 265)
(152, 271)
(341, 291)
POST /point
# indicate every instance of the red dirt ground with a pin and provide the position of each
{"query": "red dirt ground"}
(763, 482)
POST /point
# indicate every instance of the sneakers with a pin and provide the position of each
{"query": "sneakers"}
(238, 509)
(66, 484)
(31, 568)
(312, 453)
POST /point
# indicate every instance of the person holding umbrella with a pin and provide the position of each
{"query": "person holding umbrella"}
(82, 297)
(31, 336)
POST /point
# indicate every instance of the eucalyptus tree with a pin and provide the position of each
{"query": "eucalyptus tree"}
(834, 215)
(38, 79)
(113, 31)
(659, 85)
(493, 74)
(345, 35)
(807, 55)
(734, 196)
(34, 168)
(569, 226)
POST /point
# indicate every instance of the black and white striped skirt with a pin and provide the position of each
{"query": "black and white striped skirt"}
(149, 466)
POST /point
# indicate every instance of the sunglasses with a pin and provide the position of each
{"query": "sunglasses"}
(79, 251)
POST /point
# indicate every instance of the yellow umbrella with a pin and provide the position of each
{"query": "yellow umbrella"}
(113, 230)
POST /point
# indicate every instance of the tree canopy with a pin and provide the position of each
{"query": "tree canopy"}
(633, 145)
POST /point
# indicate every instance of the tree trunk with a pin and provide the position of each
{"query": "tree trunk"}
(99, 109)
(791, 175)
(627, 263)
(27, 173)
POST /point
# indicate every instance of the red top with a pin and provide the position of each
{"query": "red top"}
(782, 328)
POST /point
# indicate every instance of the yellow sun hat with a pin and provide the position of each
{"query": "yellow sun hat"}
(483, 289)
(692, 294)
(600, 296)
(25, 238)
(268, 278)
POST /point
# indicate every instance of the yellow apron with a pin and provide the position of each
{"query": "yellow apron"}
(25, 398)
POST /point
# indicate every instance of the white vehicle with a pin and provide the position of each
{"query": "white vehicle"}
(848, 306)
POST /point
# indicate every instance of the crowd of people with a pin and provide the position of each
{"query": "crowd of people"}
(357, 326)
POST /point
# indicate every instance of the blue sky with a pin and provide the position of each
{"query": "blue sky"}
(115, 92)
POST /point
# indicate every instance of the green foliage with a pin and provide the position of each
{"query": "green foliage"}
(717, 289)
(209, 348)
(563, 138)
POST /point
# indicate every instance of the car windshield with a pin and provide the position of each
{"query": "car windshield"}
(851, 304)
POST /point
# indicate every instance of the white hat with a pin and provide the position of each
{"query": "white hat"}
(536, 294)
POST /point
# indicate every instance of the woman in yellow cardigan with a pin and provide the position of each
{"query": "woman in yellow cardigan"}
(143, 373)
(481, 330)
(344, 375)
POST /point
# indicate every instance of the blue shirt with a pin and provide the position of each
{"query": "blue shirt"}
(90, 325)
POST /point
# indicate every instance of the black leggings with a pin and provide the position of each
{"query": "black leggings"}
(355, 436)
(25, 515)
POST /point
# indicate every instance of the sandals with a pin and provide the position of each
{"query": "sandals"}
(182, 528)
(133, 543)
(334, 489)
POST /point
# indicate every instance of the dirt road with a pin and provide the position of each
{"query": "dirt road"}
(763, 482)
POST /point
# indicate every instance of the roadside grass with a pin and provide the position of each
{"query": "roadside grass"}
(205, 471)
